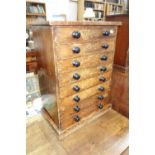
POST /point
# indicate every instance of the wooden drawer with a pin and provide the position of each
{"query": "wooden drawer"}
(85, 61)
(68, 109)
(63, 51)
(86, 93)
(67, 122)
(87, 106)
(64, 34)
(67, 78)
(84, 84)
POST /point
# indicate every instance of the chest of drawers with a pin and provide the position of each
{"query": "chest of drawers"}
(76, 60)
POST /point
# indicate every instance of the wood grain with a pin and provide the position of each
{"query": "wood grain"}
(54, 42)
(85, 61)
(120, 91)
(68, 121)
(47, 74)
(84, 84)
(77, 23)
(121, 59)
(105, 136)
(85, 48)
(67, 78)
(86, 93)
(64, 34)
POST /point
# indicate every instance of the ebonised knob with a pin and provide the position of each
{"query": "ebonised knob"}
(106, 33)
(105, 46)
(76, 63)
(100, 106)
(76, 49)
(104, 58)
(76, 88)
(76, 76)
(76, 98)
(103, 79)
(101, 88)
(100, 97)
(103, 69)
(77, 118)
(76, 34)
(76, 108)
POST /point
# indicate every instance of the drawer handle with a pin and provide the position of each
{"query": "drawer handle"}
(76, 98)
(76, 63)
(104, 58)
(103, 79)
(101, 88)
(76, 50)
(105, 46)
(106, 33)
(76, 88)
(76, 34)
(100, 97)
(76, 76)
(76, 108)
(100, 106)
(77, 118)
(103, 69)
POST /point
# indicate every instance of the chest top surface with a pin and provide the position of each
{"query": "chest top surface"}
(78, 23)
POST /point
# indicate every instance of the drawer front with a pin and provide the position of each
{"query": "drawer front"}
(86, 94)
(87, 107)
(63, 51)
(82, 85)
(67, 78)
(93, 60)
(83, 34)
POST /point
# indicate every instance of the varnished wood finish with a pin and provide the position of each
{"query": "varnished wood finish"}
(78, 23)
(108, 135)
(64, 35)
(121, 59)
(43, 45)
(120, 91)
(120, 80)
(85, 94)
(67, 112)
(85, 48)
(84, 84)
(66, 65)
(57, 69)
(68, 120)
(67, 78)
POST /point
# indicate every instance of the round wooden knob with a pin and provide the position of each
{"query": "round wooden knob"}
(76, 108)
(104, 58)
(105, 46)
(76, 88)
(103, 79)
(76, 98)
(100, 97)
(101, 88)
(76, 76)
(100, 106)
(77, 118)
(76, 49)
(76, 63)
(103, 69)
(76, 34)
(106, 33)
